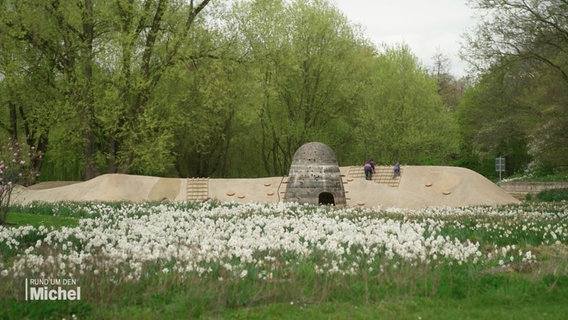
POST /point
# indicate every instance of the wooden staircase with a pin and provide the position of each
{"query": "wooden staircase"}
(197, 189)
(383, 175)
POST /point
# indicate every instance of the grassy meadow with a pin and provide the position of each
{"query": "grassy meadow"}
(287, 261)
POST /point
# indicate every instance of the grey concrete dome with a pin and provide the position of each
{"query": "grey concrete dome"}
(314, 177)
(314, 152)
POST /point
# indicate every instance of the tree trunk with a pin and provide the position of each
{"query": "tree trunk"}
(86, 105)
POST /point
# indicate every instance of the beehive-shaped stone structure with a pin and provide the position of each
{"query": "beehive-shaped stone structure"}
(314, 177)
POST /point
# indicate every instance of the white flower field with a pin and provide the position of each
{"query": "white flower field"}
(122, 240)
(278, 244)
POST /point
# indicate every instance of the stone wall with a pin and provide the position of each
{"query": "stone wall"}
(523, 188)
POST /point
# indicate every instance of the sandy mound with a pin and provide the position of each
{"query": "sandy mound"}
(108, 187)
(420, 186)
(429, 186)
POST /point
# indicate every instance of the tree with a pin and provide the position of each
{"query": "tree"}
(308, 61)
(107, 60)
(16, 167)
(167, 87)
(211, 110)
(494, 121)
(405, 119)
(548, 140)
(514, 30)
(450, 89)
(152, 38)
(526, 44)
(29, 93)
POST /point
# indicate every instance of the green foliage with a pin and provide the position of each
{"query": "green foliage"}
(29, 240)
(234, 90)
(553, 195)
(309, 74)
(39, 309)
(405, 119)
(63, 209)
(548, 144)
(223, 90)
(542, 174)
(518, 107)
(16, 167)
(494, 123)
(63, 160)
(101, 67)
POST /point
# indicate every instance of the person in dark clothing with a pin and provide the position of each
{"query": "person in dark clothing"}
(396, 170)
(369, 169)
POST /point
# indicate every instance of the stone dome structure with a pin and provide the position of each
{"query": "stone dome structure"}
(314, 177)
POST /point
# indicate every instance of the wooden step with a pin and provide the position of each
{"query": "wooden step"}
(383, 175)
(197, 189)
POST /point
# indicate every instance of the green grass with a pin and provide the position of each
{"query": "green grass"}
(418, 308)
(503, 301)
(36, 220)
(459, 294)
(511, 301)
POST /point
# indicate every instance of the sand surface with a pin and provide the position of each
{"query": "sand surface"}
(419, 186)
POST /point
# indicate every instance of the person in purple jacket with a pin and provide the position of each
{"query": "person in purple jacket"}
(369, 169)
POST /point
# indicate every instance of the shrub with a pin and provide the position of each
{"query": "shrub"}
(15, 168)
(553, 195)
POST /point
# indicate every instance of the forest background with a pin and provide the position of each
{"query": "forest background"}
(232, 88)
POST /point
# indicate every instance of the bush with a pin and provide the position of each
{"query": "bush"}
(16, 167)
(553, 195)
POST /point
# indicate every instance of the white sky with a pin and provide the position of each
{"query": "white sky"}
(426, 26)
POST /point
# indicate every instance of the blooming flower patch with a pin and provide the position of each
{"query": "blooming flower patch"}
(266, 240)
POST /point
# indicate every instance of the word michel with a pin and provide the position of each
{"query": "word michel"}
(52, 289)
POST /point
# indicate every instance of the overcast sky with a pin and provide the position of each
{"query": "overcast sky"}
(426, 26)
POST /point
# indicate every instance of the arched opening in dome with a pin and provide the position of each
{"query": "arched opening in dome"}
(326, 198)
